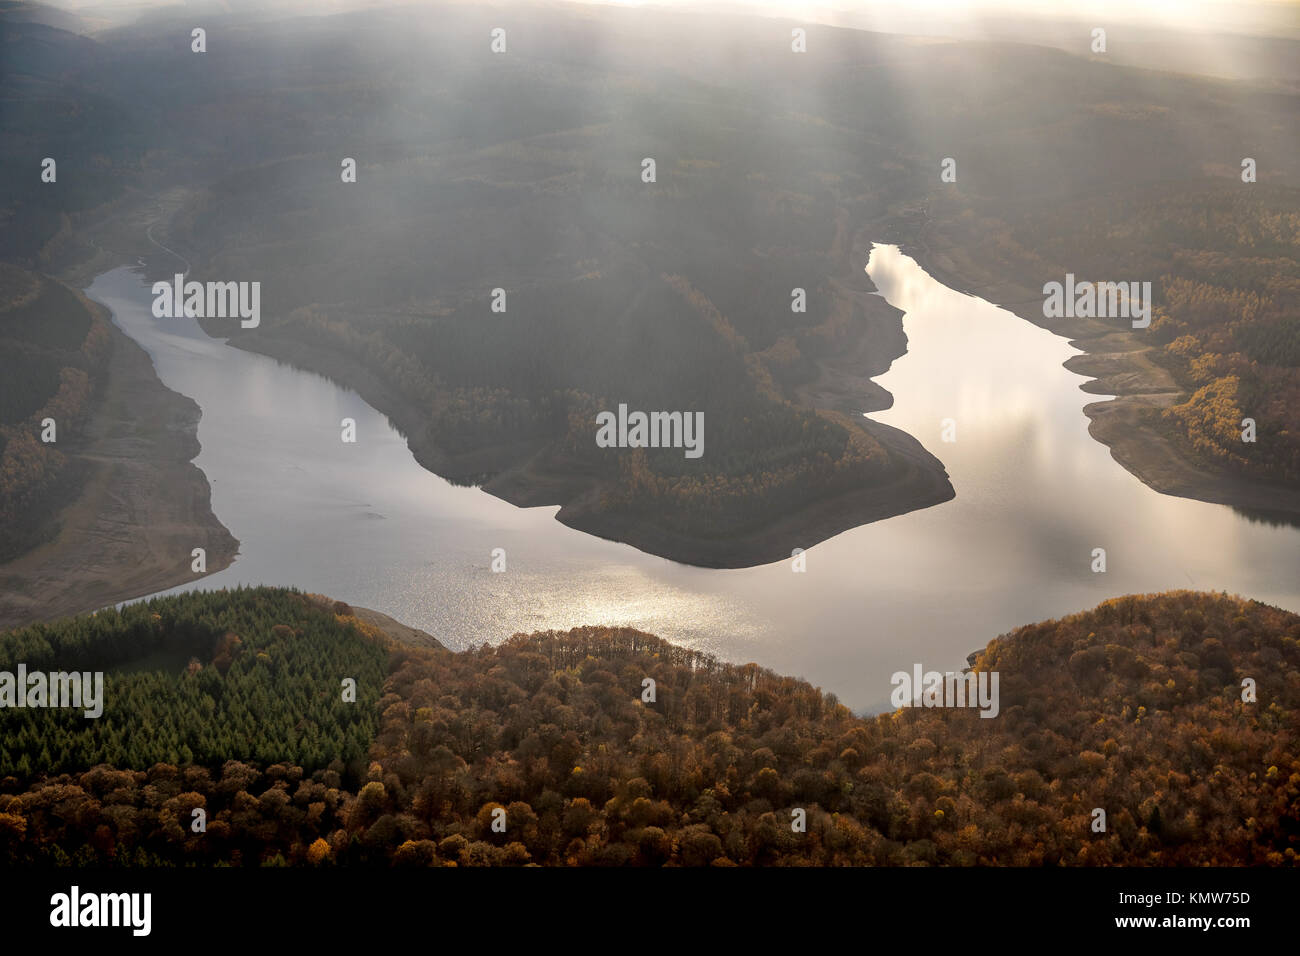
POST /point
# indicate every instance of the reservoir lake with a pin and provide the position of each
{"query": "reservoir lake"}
(1036, 494)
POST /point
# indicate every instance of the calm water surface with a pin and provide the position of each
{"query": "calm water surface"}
(1035, 494)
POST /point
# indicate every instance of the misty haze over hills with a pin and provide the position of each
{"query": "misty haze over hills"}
(1248, 40)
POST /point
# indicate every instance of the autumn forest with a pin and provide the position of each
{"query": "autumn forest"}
(1133, 707)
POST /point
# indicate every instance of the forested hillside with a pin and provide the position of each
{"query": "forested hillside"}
(672, 294)
(254, 675)
(50, 110)
(1135, 708)
(53, 350)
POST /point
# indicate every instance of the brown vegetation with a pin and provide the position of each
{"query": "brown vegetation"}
(1135, 707)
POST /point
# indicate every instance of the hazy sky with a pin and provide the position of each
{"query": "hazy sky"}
(1234, 15)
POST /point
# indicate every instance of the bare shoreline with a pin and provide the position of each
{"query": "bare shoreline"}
(142, 509)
